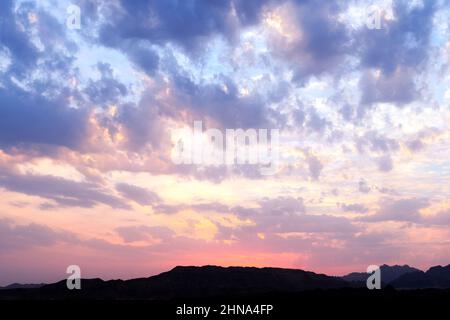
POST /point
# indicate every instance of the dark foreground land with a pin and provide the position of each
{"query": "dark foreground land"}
(237, 293)
(350, 303)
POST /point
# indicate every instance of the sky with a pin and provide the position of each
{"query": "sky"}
(359, 92)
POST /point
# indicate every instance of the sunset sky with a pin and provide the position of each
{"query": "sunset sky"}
(88, 115)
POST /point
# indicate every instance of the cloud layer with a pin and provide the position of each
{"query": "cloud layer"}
(87, 122)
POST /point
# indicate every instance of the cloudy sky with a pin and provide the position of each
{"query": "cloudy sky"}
(88, 115)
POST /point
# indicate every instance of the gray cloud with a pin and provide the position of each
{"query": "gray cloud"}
(137, 194)
(21, 237)
(315, 166)
(399, 50)
(399, 210)
(107, 90)
(324, 42)
(16, 40)
(363, 186)
(401, 41)
(193, 23)
(27, 118)
(66, 193)
(441, 218)
(385, 163)
(354, 207)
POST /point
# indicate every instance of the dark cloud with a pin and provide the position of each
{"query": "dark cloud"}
(399, 51)
(222, 103)
(187, 23)
(385, 163)
(399, 210)
(347, 111)
(441, 218)
(21, 237)
(34, 95)
(324, 41)
(143, 123)
(211, 206)
(397, 87)
(315, 122)
(402, 41)
(144, 57)
(388, 191)
(16, 40)
(137, 194)
(167, 208)
(282, 205)
(28, 118)
(107, 89)
(354, 207)
(374, 142)
(286, 215)
(315, 166)
(363, 186)
(379, 146)
(415, 145)
(65, 193)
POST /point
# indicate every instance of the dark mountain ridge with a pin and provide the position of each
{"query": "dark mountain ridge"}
(189, 282)
(22, 286)
(388, 274)
(435, 277)
(213, 281)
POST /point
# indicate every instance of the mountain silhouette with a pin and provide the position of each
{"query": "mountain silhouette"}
(22, 286)
(435, 277)
(207, 281)
(388, 274)
(213, 281)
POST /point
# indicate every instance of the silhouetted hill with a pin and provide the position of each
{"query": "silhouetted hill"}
(208, 281)
(388, 274)
(435, 277)
(212, 281)
(22, 286)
